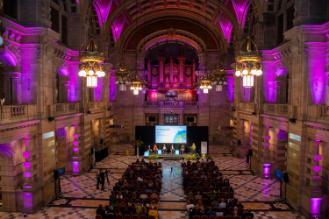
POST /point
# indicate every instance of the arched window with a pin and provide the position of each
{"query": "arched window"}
(9, 78)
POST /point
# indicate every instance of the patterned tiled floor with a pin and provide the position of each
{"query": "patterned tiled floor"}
(80, 196)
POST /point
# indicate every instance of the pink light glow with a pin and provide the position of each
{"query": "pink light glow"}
(76, 150)
(27, 200)
(317, 158)
(269, 80)
(103, 9)
(76, 167)
(241, 9)
(27, 174)
(226, 27)
(27, 187)
(230, 88)
(317, 169)
(26, 155)
(315, 206)
(317, 71)
(117, 27)
(27, 165)
(266, 170)
(75, 143)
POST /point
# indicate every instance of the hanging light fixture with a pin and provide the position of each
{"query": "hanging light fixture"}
(91, 60)
(122, 77)
(218, 79)
(205, 85)
(136, 86)
(248, 63)
(91, 64)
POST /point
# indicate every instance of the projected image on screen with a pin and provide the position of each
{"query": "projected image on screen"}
(170, 134)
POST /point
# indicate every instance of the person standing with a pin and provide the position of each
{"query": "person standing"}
(172, 149)
(102, 179)
(107, 174)
(98, 180)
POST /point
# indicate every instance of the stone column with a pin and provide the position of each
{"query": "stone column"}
(316, 181)
(266, 156)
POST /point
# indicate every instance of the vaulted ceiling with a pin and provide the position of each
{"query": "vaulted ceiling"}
(131, 21)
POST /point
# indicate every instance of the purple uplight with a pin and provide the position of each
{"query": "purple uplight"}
(103, 9)
(28, 200)
(98, 91)
(61, 133)
(27, 174)
(113, 87)
(26, 155)
(71, 68)
(27, 165)
(317, 71)
(269, 81)
(8, 58)
(226, 27)
(75, 166)
(266, 170)
(117, 27)
(241, 9)
(247, 94)
(29, 70)
(230, 88)
(315, 206)
(6, 150)
(317, 169)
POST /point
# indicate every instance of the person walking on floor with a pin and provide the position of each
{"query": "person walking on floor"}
(102, 180)
(98, 180)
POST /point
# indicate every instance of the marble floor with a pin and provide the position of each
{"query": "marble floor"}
(80, 196)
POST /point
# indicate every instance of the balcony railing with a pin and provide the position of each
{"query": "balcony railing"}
(318, 112)
(277, 109)
(96, 107)
(66, 108)
(16, 113)
(171, 103)
(249, 107)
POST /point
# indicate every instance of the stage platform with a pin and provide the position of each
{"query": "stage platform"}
(168, 156)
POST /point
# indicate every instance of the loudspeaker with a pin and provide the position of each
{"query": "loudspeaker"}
(285, 177)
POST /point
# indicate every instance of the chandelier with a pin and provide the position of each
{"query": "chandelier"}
(205, 85)
(136, 86)
(248, 63)
(218, 79)
(122, 77)
(91, 64)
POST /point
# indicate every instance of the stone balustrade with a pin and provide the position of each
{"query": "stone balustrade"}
(276, 109)
(171, 103)
(318, 112)
(94, 107)
(66, 108)
(248, 107)
(10, 113)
